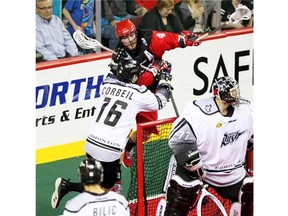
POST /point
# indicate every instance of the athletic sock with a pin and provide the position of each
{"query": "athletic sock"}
(130, 144)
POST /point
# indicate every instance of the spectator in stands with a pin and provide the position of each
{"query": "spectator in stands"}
(94, 198)
(114, 11)
(227, 8)
(80, 15)
(39, 57)
(162, 18)
(53, 40)
(194, 14)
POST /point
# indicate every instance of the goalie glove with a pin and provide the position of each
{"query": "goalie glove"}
(188, 38)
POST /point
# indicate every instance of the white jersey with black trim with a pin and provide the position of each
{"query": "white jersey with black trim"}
(91, 204)
(115, 115)
(221, 140)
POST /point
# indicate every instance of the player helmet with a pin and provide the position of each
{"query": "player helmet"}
(124, 27)
(90, 171)
(127, 68)
(226, 89)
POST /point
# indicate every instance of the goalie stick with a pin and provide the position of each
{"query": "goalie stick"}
(242, 12)
(205, 193)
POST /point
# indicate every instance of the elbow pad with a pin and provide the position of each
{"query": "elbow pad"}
(191, 160)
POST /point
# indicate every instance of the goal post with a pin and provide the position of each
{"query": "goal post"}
(149, 168)
(163, 135)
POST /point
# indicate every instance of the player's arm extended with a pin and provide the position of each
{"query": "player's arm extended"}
(183, 142)
(162, 41)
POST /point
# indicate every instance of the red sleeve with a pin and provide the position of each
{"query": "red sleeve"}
(162, 41)
(146, 79)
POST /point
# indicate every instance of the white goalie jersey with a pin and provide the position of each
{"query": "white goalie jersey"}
(221, 140)
(90, 204)
(115, 115)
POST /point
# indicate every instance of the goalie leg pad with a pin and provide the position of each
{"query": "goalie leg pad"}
(246, 197)
(181, 196)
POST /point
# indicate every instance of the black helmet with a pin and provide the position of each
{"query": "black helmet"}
(127, 68)
(226, 89)
(90, 171)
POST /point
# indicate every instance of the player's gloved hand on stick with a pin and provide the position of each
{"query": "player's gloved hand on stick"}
(162, 69)
(188, 39)
(162, 65)
(121, 54)
(165, 84)
(165, 89)
(165, 76)
(116, 58)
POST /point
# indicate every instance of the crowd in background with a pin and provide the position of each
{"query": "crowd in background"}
(54, 31)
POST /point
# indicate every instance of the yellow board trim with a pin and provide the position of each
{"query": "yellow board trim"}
(75, 149)
(60, 152)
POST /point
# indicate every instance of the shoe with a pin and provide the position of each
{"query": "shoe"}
(59, 192)
(127, 159)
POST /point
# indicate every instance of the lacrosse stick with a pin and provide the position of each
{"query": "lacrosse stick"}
(205, 193)
(168, 77)
(242, 12)
(89, 43)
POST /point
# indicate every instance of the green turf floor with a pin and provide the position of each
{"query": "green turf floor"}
(46, 175)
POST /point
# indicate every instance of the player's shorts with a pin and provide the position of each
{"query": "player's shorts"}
(143, 117)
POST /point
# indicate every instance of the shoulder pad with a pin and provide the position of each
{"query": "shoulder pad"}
(207, 106)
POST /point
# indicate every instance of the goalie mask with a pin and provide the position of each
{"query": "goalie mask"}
(90, 171)
(127, 69)
(226, 89)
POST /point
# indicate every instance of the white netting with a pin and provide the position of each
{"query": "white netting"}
(85, 42)
(204, 193)
(242, 12)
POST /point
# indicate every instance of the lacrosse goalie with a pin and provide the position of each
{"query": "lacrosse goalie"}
(209, 141)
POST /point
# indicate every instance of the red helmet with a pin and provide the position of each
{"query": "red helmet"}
(124, 28)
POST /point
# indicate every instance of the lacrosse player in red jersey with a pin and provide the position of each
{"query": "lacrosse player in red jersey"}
(209, 140)
(120, 101)
(147, 47)
(95, 200)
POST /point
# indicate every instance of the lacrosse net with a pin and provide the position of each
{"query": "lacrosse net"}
(148, 173)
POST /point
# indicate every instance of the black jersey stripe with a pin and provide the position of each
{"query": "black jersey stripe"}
(225, 170)
(104, 146)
